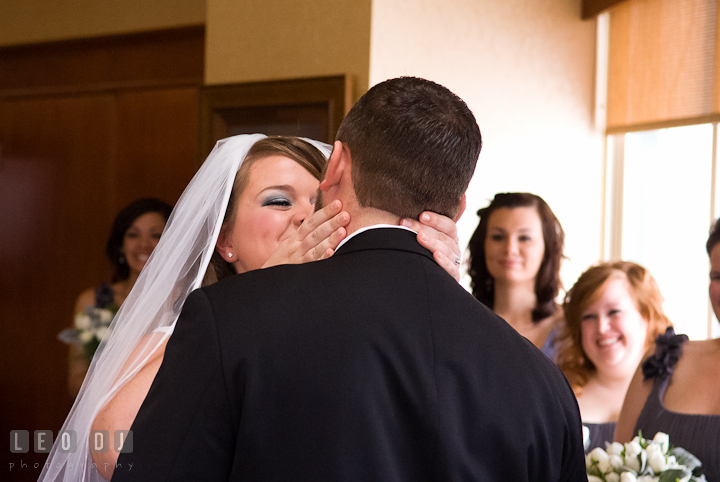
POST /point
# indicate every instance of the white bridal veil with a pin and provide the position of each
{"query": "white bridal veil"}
(145, 320)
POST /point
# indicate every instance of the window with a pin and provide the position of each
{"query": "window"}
(658, 100)
(661, 200)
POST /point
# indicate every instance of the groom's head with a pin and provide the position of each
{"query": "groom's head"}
(413, 146)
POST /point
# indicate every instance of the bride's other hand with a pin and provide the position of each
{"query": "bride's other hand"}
(317, 237)
(438, 234)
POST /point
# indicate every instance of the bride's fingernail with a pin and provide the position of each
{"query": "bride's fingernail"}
(336, 204)
(406, 223)
(425, 217)
(343, 217)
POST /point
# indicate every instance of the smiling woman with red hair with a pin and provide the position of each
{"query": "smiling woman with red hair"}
(612, 315)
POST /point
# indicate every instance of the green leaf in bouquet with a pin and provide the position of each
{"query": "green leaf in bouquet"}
(643, 457)
(673, 475)
(683, 457)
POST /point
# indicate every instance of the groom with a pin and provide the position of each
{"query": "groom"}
(373, 365)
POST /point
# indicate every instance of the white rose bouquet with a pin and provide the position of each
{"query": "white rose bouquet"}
(90, 328)
(643, 460)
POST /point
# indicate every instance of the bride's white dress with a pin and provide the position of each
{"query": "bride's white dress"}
(175, 268)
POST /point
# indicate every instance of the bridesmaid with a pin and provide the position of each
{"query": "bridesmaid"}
(612, 315)
(135, 233)
(514, 265)
(676, 390)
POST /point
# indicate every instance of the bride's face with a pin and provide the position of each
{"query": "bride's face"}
(279, 195)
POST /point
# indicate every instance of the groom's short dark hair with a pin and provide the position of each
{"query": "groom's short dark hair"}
(414, 146)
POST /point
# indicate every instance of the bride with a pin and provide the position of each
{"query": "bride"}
(249, 206)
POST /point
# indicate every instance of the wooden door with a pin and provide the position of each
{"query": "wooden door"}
(307, 107)
(85, 128)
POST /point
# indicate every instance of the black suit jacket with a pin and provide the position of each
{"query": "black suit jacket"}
(373, 365)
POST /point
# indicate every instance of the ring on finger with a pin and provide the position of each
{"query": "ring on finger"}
(457, 260)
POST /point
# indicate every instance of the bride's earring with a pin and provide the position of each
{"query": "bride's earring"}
(230, 255)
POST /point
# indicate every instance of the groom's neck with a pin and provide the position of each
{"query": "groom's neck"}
(364, 217)
(360, 217)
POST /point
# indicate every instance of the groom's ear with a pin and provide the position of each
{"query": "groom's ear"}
(337, 164)
(461, 209)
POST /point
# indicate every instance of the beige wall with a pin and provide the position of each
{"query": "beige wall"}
(281, 39)
(526, 69)
(30, 21)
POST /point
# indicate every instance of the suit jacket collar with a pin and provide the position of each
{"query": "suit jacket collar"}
(384, 238)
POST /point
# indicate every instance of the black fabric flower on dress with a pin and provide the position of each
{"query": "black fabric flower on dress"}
(668, 350)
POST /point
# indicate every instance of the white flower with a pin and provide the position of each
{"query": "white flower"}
(100, 332)
(653, 448)
(586, 435)
(602, 459)
(82, 321)
(627, 477)
(615, 448)
(106, 316)
(86, 336)
(616, 461)
(663, 439)
(612, 477)
(631, 461)
(592, 478)
(632, 450)
(656, 459)
(657, 463)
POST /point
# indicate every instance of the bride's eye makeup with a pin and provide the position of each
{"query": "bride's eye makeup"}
(279, 201)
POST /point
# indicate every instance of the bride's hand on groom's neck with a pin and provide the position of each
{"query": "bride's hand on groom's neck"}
(438, 233)
(317, 237)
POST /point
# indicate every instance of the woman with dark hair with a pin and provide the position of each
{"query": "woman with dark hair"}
(514, 264)
(251, 205)
(134, 234)
(612, 315)
(127, 227)
(676, 390)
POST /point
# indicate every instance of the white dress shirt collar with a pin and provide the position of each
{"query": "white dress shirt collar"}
(372, 226)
